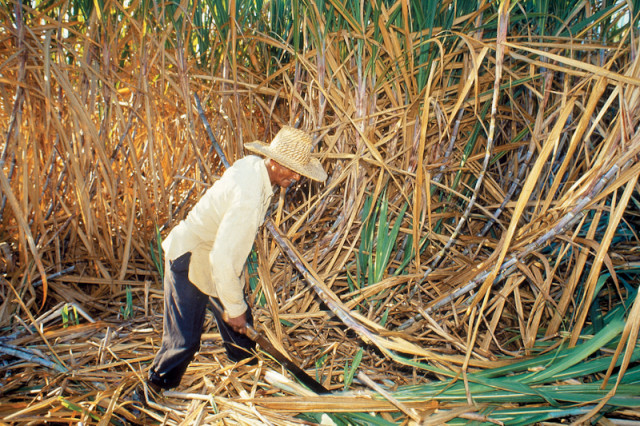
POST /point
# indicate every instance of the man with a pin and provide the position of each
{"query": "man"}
(206, 252)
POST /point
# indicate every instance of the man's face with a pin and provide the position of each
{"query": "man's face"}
(283, 176)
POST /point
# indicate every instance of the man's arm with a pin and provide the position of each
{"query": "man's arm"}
(229, 253)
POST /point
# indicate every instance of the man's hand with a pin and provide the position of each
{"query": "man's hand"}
(238, 324)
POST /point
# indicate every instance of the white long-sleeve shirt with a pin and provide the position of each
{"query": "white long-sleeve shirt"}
(220, 229)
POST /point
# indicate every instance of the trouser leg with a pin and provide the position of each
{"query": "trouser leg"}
(237, 345)
(184, 313)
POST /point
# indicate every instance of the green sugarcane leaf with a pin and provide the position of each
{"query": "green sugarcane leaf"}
(350, 374)
(77, 408)
(382, 242)
(64, 313)
(390, 242)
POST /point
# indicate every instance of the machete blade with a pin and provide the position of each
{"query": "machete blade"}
(268, 347)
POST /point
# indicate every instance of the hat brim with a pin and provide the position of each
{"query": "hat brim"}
(313, 170)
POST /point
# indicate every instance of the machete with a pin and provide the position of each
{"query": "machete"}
(268, 347)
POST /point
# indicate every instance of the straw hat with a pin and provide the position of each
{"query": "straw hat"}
(292, 149)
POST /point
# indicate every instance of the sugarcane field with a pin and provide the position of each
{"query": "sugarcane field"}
(319, 212)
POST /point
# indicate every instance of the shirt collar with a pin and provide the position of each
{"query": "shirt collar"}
(267, 188)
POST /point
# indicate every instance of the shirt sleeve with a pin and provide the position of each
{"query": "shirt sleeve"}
(233, 242)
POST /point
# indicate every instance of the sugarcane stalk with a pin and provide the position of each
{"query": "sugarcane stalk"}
(212, 138)
(30, 356)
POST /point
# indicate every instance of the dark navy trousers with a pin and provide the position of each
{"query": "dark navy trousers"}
(184, 314)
